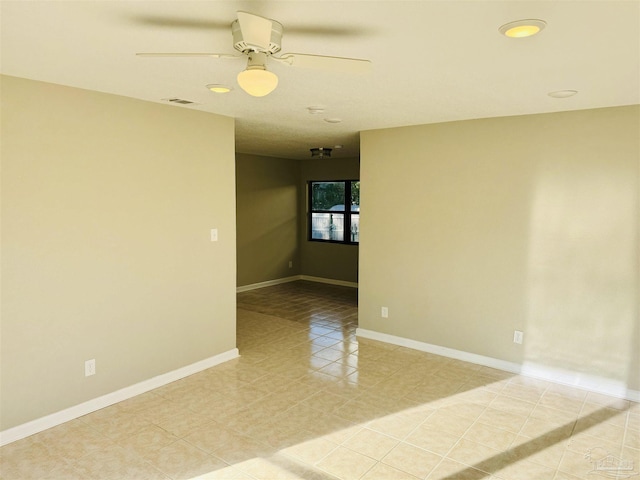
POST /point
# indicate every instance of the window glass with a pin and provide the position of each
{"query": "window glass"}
(334, 211)
(355, 196)
(355, 228)
(328, 195)
(327, 226)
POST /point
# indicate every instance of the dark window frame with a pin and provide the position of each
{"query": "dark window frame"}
(347, 212)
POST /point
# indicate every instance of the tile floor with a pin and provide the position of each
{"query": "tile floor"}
(308, 400)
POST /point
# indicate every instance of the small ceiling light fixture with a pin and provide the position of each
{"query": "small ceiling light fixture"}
(522, 28)
(333, 120)
(321, 152)
(562, 93)
(219, 88)
(256, 80)
(315, 110)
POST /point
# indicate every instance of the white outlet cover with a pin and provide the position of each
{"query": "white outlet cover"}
(214, 234)
(384, 312)
(518, 337)
(90, 367)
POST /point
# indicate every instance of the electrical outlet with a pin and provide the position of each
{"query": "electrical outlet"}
(384, 312)
(90, 367)
(290, 263)
(214, 234)
(518, 337)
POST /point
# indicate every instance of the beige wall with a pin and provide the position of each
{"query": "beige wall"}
(267, 218)
(319, 259)
(473, 229)
(107, 206)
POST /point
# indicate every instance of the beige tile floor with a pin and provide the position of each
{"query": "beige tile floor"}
(308, 400)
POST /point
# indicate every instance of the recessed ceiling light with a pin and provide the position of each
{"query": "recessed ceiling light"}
(219, 88)
(522, 28)
(337, 146)
(562, 93)
(315, 110)
(333, 120)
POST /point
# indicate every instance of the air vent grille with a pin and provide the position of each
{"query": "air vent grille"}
(181, 101)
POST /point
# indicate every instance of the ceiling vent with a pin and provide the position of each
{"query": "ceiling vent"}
(178, 100)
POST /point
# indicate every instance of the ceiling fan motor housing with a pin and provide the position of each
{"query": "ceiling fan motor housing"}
(275, 42)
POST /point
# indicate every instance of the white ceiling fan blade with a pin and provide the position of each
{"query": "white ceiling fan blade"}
(177, 54)
(256, 30)
(340, 64)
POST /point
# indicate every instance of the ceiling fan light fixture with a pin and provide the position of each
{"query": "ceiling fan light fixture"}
(257, 81)
(522, 28)
(320, 152)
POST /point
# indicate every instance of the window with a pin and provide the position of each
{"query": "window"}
(329, 220)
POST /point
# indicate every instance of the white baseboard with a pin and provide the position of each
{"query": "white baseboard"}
(278, 281)
(564, 377)
(55, 419)
(330, 281)
(584, 381)
(268, 283)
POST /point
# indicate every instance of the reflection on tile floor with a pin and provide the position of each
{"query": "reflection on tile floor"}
(308, 400)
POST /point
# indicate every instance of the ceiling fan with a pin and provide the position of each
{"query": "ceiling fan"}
(259, 38)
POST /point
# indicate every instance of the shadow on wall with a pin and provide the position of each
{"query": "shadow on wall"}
(266, 255)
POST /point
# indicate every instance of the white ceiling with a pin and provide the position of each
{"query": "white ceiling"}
(432, 61)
